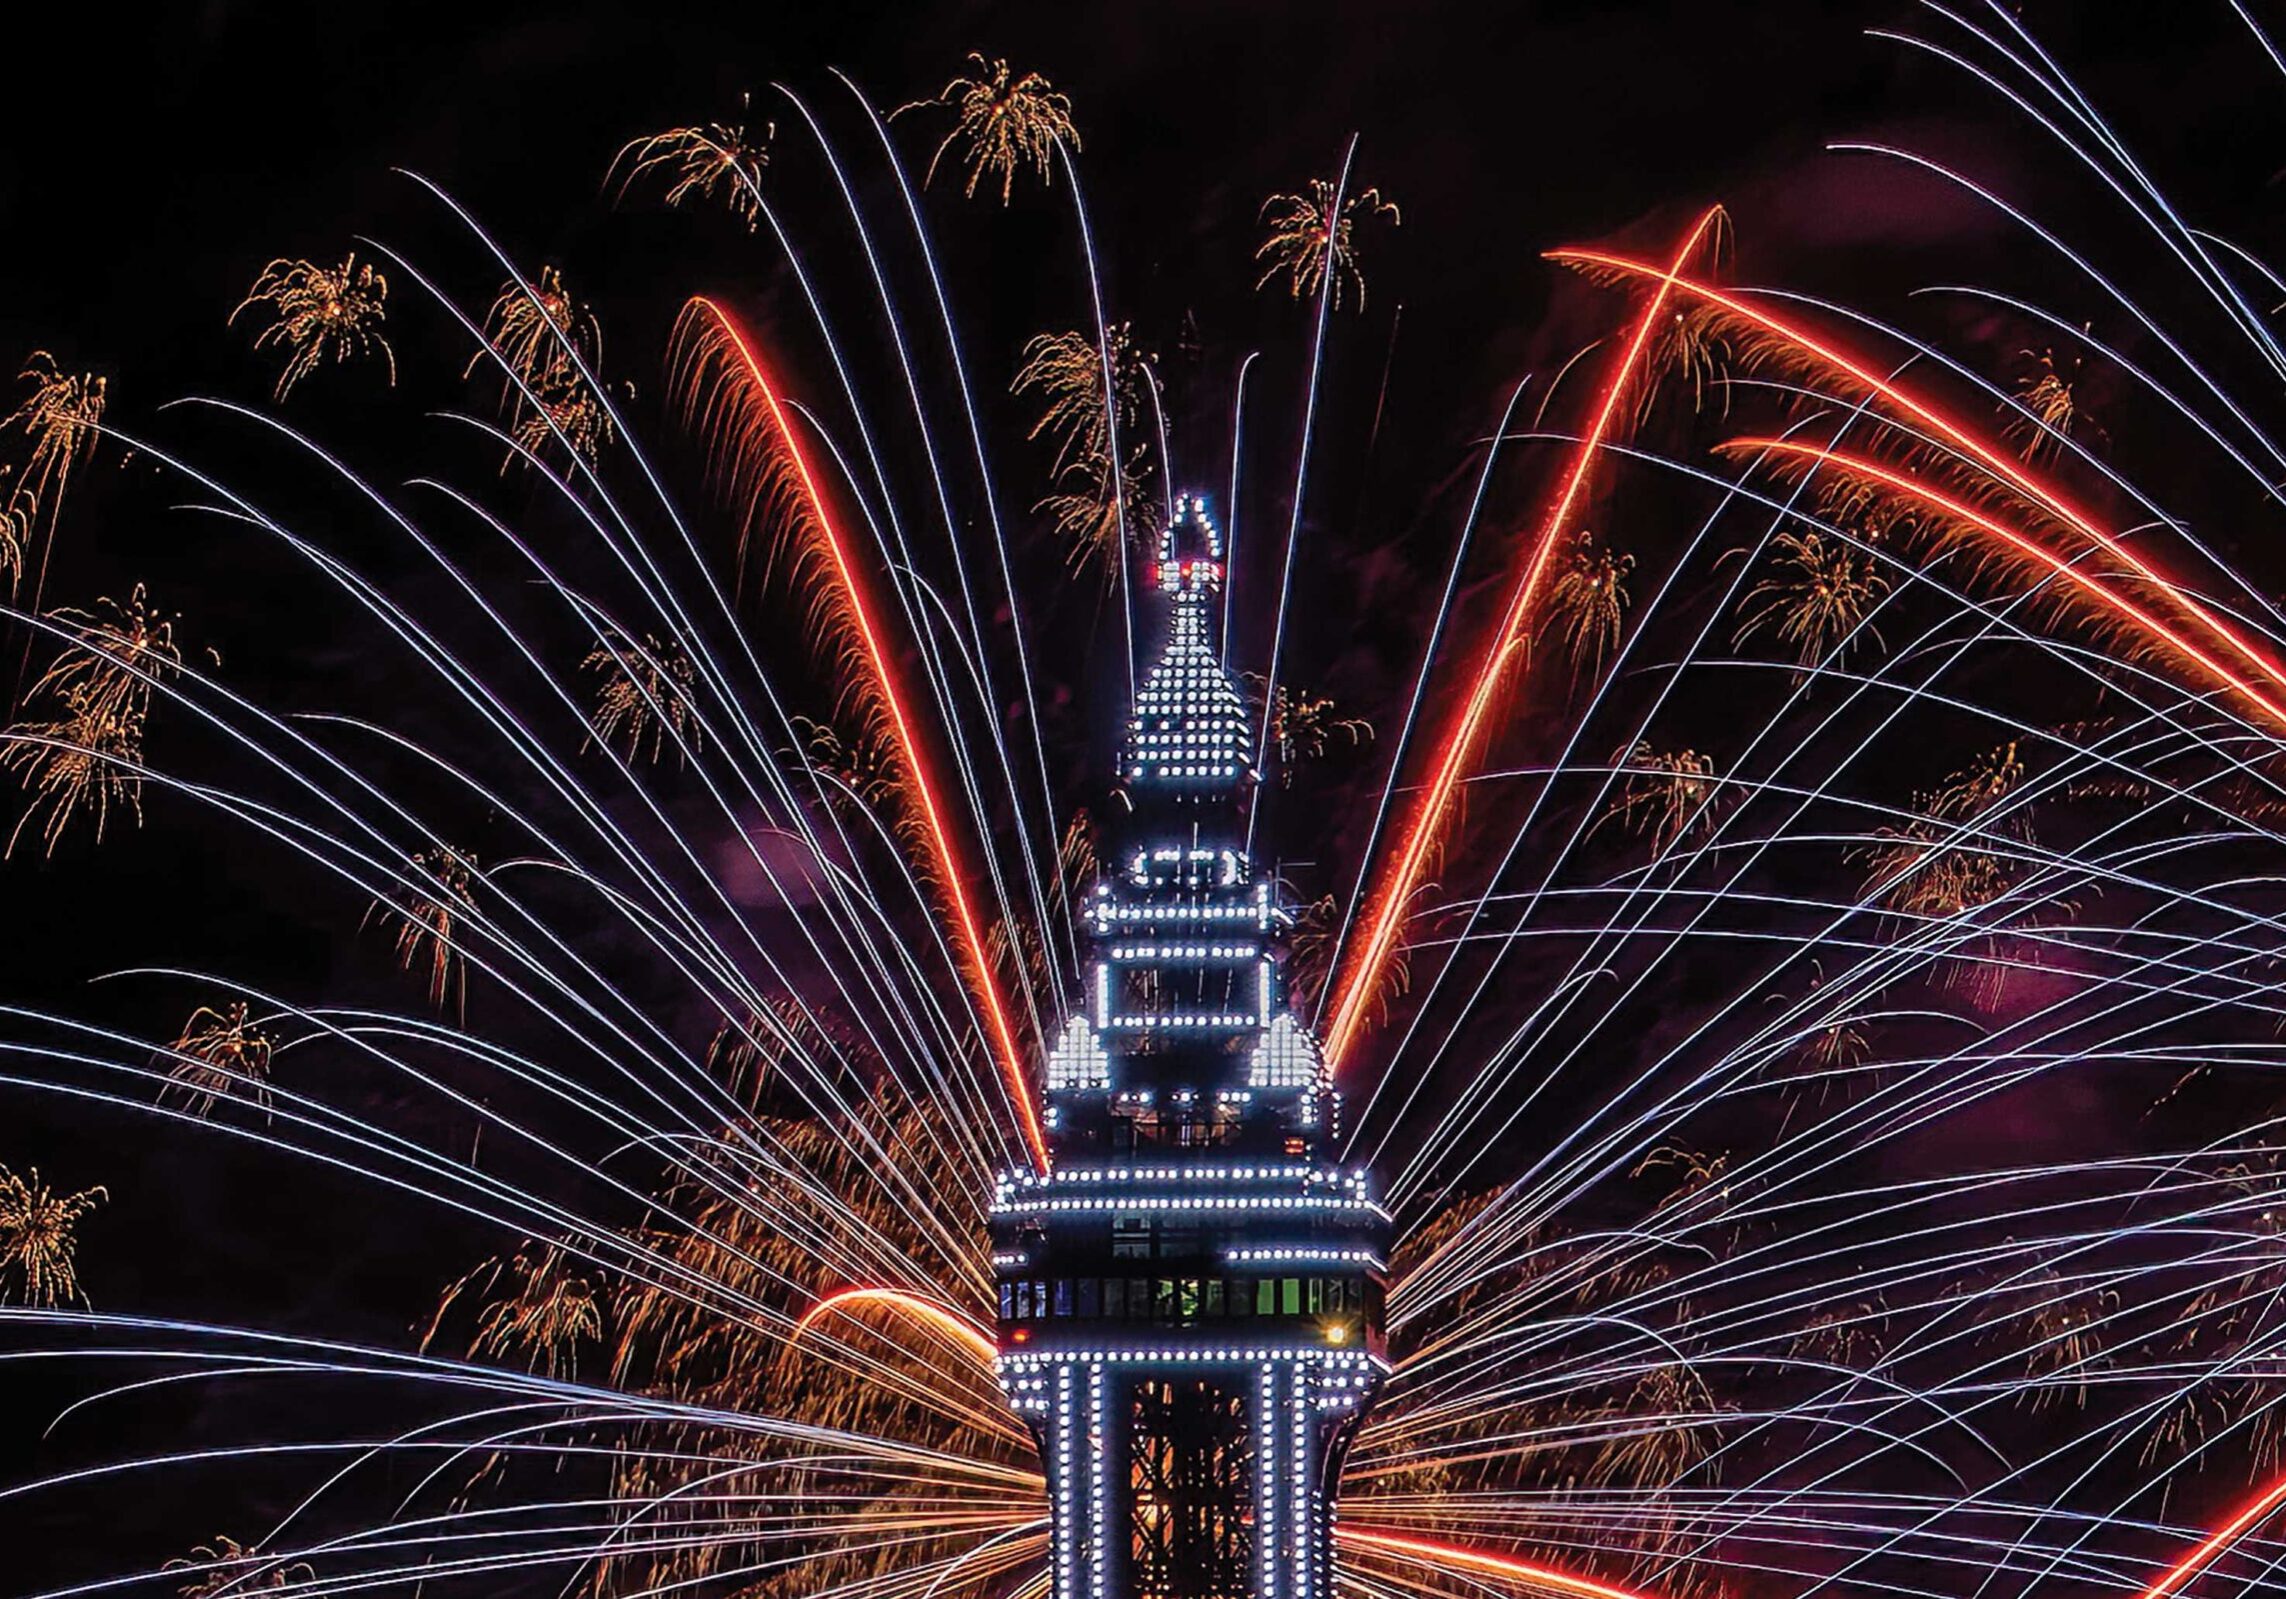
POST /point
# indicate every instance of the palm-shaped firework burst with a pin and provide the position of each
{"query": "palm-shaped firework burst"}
(1311, 239)
(1740, 1251)
(1003, 120)
(321, 314)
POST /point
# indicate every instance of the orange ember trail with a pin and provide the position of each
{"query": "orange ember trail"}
(2183, 1570)
(1459, 1556)
(2112, 601)
(2002, 465)
(1385, 916)
(937, 1314)
(968, 941)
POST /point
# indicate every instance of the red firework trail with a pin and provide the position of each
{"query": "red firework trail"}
(1425, 830)
(1453, 1556)
(945, 874)
(2103, 595)
(1993, 458)
(933, 1312)
(2183, 1570)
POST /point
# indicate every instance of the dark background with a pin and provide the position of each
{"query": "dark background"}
(149, 165)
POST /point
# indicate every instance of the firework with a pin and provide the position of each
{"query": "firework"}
(2142, 606)
(1089, 519)
(546, 342)
(219, 1054)
(769, 474)
(39, 1239)
(537, 1310)
(18, 513)
(1089, 399)
(644, 698)
(1657, 1323)
(1587, 603)
(747, 1051)
(717, 162)
(1817, 597)
(321, 314)
(1002, 122)
(1088, 396)
(1306, 231)
(1304, 726)
(428, 908)
(1423, 834)
(60, 419)
(87, 757)
(1669, 793)
(2047, 391)
(227, 1566)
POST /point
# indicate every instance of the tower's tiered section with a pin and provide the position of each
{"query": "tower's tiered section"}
(1191, 1299)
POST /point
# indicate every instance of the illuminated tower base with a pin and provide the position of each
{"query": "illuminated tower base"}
(1191, 1299)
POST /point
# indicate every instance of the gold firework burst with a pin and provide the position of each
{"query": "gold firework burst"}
(1587, 603)
(219, 1054)
(84, 761)
(18, 511)
(753, 1234)
(1088, 514)
(1090, 398)
(1816, 598)
(547, 340)
(1085, 390)
(1300, 228)
(1931, 866)
(39, 1239)
(227, 1566)
(856, 771)
(87, 755)
(1668, 794)
(321, 313)
(60, 419)
(644, 696)
(428, 911)
(746, 1052)
(569, 410)
(2048, 409)
(2068, 1329)
(1304, 726)
(703, 159)
(536, 1309)
(1002, 122)
(1312, 945)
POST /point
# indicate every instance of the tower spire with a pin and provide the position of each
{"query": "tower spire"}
(1191, 1298)
(1187, 733)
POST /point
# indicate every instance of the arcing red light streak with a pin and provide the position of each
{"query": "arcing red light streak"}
(2119, 605)
(1386, 905)
(947, 878)
(934, 1312)
(1995, 459)
(2183, 1570)
(1460, 1557)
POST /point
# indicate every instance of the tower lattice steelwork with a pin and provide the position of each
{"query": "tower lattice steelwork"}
(1191, 1297)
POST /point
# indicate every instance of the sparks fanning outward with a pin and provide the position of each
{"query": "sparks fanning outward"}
(886, 1202)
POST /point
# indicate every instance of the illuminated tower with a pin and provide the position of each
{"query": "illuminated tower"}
(1191, 1298)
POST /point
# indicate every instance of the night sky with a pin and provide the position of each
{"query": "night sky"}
(149, 166)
